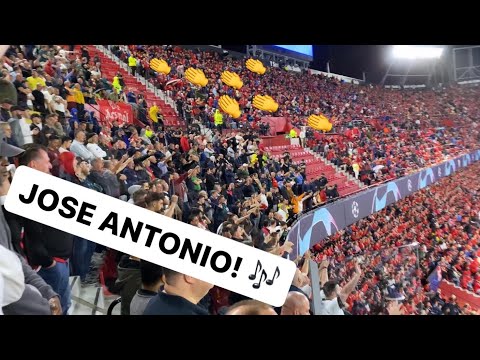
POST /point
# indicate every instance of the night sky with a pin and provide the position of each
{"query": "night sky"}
(352, 60)
(349, 60)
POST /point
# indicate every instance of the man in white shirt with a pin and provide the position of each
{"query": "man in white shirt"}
(209, 150)
(302, 136)
(333, 296)
(63, 53)
(25, 128)
(95, 72)
(325, 149)
(93, 147)
(78, 147)
(263, 198)
(47, 94)
(59, 105)
(231, 153)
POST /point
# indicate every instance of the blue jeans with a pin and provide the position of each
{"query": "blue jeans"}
(57, 278)
(82, 255)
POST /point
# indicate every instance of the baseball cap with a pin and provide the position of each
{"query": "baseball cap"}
(8, 150)
(53, 137)
(16, 107)
(8, 101)
(90, 135)
(133, 189)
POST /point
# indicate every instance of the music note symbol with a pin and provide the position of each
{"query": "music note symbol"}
(275, 276)
(257, 269)
(263, 276)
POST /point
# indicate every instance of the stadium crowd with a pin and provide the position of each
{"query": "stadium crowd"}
(385, 132)
(221, 182)
(399, 247)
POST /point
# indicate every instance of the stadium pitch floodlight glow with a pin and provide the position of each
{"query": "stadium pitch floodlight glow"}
(417, 52)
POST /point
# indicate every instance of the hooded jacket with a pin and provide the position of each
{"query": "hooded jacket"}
(128, 282)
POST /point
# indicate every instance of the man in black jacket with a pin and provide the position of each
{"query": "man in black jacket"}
(36, 126)
(322, 181)
(38, 298)
(210, 179)
(180, 296)
(332, 192)
(451, 307)
(46, 248)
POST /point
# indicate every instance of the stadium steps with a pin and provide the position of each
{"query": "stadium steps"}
(276, 140)
(353, 185)
(316, 166)
(89, 300)
(110, 67)
(463, 296)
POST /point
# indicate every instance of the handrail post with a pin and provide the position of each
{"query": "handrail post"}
(315, 284)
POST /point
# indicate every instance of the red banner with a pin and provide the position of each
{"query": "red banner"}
(277, 124)
(110, 111)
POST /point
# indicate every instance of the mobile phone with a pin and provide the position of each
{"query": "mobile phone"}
(11, 168)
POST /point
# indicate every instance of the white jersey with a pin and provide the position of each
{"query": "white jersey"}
(330, 307)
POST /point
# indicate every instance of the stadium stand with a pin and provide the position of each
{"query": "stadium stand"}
(242, 179)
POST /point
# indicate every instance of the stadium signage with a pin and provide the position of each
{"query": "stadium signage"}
(110, 111)
(313, 227)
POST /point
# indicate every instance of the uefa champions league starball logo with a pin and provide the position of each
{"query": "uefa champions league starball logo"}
(409, 185)
(355, 209)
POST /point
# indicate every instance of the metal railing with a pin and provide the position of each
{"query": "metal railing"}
(97, 109)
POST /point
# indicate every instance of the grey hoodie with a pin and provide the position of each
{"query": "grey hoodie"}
(34, 300)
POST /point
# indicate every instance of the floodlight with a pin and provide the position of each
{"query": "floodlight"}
(417, 52)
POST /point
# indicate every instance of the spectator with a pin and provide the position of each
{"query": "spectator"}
(92, 146)
(333, 296)
(65, 146)
(250, 307)
(79, 148)
(405, 138)
(451, 307)
(296, 304)
(132, 63)
(54, 153)
(151, 282)
(38, 297)
(180, 296)
(129, 281)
